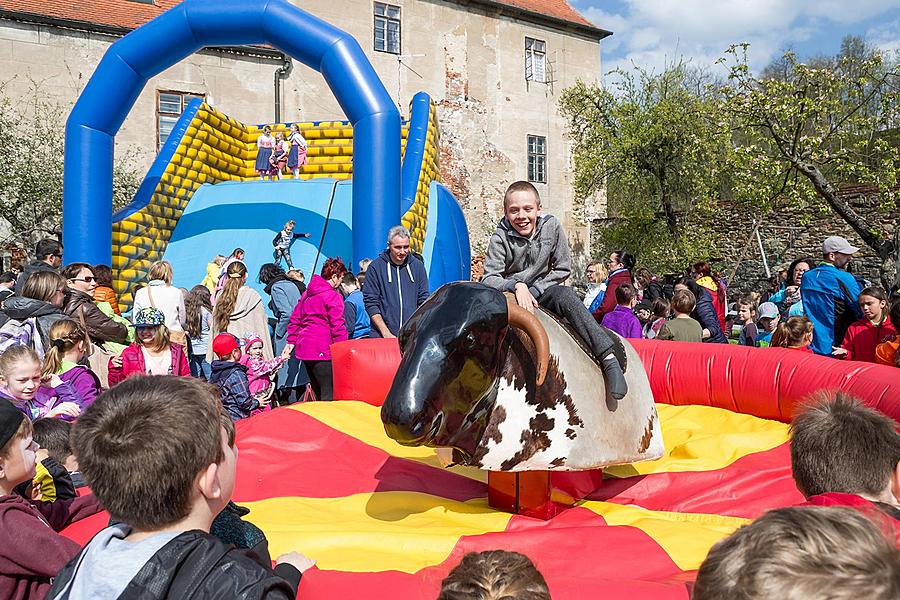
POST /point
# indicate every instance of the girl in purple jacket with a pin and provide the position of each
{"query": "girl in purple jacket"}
(316, 323)
(22, 384)
(67, 347)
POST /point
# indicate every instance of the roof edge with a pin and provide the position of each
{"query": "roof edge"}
(591, 31)
(38, 19)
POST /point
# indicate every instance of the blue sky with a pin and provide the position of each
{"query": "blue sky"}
(650, 33)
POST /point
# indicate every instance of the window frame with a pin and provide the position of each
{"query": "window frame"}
(387, 19)
(537, 161)
(530, 54)
(184, 98)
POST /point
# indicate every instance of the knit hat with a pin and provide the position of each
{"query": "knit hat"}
(149, 317)
(10, 420)
(224, 344)
(250, 339)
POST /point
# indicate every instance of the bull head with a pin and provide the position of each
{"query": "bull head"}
(454, 348)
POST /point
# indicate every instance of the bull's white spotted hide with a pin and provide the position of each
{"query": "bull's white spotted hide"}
(569, 423)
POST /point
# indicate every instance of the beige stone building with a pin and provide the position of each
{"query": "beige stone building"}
(495, 68)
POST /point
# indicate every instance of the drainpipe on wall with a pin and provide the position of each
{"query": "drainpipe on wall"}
(282, 72)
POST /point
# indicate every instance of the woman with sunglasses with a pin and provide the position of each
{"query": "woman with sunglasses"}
(79, 305)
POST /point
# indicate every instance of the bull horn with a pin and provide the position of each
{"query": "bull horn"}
(527, 322)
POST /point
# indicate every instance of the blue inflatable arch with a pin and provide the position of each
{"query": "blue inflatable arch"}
(130, 62)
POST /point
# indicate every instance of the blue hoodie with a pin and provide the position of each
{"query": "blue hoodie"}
(394, 292)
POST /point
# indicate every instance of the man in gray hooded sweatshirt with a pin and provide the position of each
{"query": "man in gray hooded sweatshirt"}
(528, 255)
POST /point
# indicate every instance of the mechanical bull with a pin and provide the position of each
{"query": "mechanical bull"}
(508, 390)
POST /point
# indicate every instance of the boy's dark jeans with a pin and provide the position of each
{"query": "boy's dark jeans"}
(563, 301)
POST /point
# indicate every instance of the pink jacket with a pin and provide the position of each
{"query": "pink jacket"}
(133, 363)
(317, 321)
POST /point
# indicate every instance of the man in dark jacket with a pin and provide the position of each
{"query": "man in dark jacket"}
(158, 458)
(396, 284)
(48, 257)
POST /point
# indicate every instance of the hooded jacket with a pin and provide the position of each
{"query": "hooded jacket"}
(100, 327)
(539, 262)
(32, 553)
(394, 291)
(231, 378)
(193, 565)
(133, 363)
(20, 308)
(32, 267)
(705, 314)
(317, 321)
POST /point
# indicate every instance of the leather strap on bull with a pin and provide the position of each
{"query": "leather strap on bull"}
(528, 323)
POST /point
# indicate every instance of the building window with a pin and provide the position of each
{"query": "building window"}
(535, 60)
(169, 107)
(537, 159)
(387, 28)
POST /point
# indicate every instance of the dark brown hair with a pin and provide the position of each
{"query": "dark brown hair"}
(625, 293)
(840, 445)
(142, 444)
(198, 299)
(54, 436)
(103, 273)
(494, 575)
(661, 308)
(795, 553)
(683, 301)
(71, 271)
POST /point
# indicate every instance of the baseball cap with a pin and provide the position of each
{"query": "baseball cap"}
(767, 310)
(837, 243)
(149, 317)
(224, 344)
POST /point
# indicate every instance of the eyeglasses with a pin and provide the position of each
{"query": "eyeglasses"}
(86, 279)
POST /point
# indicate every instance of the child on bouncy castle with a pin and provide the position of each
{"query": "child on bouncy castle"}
(528, 256)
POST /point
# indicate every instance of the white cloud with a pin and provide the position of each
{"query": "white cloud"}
(886, 36)
(650, 33)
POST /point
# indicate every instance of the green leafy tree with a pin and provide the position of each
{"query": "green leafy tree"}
(656, 145)
(803, 130)
(31, 172)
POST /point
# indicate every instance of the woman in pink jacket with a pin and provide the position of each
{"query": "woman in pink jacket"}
(317, 322)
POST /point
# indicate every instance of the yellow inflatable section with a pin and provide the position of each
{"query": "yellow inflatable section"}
(416, 218)
(215, 148)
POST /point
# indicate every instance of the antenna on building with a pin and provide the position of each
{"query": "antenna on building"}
(400, 65)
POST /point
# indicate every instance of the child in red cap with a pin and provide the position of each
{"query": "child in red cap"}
(230, 376)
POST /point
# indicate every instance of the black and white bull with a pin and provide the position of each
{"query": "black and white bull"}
(512, 391)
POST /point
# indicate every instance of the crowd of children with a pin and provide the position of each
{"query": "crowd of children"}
(274, 153)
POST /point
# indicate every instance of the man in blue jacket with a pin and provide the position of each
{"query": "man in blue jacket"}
(395, 285)
(831, 295)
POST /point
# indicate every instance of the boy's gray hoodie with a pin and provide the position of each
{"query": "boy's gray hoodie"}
(539, 262)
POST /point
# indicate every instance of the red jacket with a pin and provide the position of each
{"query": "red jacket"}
(133, 363)
(884, 514)
(609, 299)
(862, 338)
(32, 552)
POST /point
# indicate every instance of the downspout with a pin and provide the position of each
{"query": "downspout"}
(282, 72)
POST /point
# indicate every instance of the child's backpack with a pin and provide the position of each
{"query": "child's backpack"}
(21, 333)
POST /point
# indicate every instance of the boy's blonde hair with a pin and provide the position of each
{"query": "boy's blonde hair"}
(798, 552)
(521, 186)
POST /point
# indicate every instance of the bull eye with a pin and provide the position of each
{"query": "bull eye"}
(470, 341)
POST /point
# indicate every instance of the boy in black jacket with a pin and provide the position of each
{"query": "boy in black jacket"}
(157, 456)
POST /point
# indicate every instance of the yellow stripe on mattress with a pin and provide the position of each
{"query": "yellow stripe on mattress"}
(705, 438)
(403, 531)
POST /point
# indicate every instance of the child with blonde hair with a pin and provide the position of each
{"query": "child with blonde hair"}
(68, 345)
(21, 383)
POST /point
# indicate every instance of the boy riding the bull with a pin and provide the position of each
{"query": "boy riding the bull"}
(528, 255)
